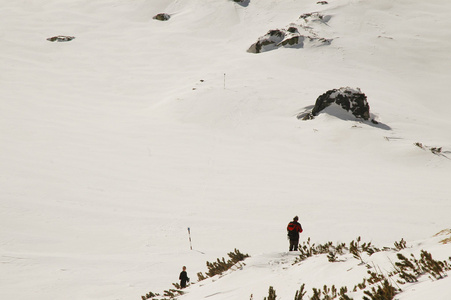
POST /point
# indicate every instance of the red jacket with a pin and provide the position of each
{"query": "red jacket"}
(294, 228)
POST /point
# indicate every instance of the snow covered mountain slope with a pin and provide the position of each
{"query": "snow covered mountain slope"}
(112, 144)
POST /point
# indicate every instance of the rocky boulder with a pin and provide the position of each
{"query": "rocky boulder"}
(351, 100)
(242, 2)
(162, 17)
(298, 34)
(61, 38)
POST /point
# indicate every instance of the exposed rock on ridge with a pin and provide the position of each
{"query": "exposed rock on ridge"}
(162, 17)
(351, 100)
(61, 38)
(296, 35)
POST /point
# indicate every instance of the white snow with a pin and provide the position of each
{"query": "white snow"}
(112, 144)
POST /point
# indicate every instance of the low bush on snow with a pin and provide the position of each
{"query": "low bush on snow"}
(435, 150)
(220, 265)
(411, 269)
(377, 286)
(271, 294)
(214, 268)
(355, 248)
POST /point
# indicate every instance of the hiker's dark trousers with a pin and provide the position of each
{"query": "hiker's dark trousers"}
(294, 244)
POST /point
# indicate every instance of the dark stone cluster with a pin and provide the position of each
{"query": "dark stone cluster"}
(162, 17)
(61, 38)
(242, 2)
(349, 99)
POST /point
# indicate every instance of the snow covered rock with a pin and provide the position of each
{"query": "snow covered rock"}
(162, 17)
(296, 35)
(351, 100)
(274, 39)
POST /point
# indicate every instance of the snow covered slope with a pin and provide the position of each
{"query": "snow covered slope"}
(112, 144)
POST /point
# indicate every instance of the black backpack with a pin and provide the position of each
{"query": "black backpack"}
(292, 233)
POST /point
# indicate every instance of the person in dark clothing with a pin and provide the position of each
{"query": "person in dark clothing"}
(183, 278)
(294, 228)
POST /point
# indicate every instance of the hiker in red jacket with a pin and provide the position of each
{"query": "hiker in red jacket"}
(294, 228)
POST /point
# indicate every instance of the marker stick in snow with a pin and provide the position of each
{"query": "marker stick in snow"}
(189, 234)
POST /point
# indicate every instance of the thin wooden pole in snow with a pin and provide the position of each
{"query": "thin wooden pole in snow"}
(224, 79)
(189, 234)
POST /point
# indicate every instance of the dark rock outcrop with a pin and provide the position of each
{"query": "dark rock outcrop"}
(242, 2)
(351, 100)
(162, 17)
(296, 35)
(61, 38)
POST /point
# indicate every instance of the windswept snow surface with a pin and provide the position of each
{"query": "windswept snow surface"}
(112, 144)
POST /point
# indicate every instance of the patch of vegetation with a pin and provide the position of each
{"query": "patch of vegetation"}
(385, 291)
(377, 286)
(201, 276)
(149, 295)
(271, 294)
(434, 150)
(167, 295)
(355, 248)
(400, 245)
(308, 250)
(219, 266)
(445, 232)
(375, 277)
(214, 268)
(301, 293)
(411, 269)
(325, 293)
